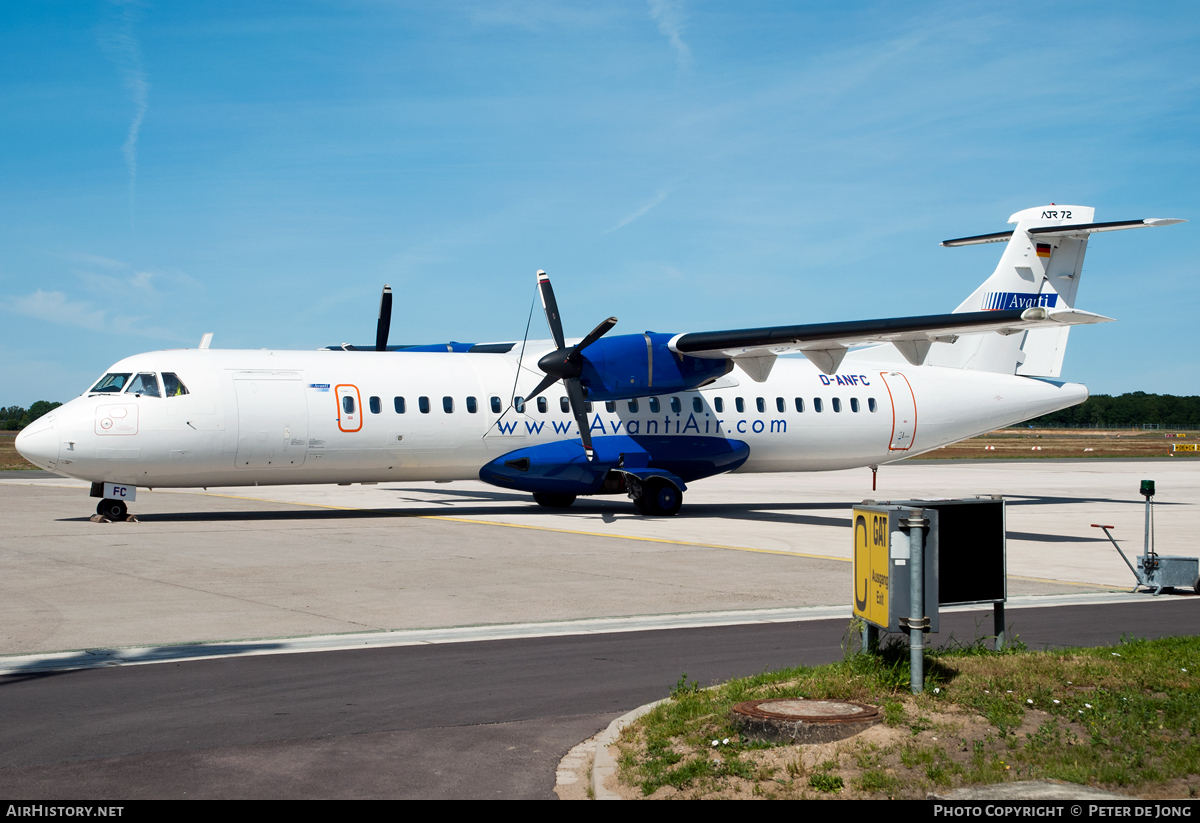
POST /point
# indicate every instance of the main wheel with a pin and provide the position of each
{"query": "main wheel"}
(661, 498)
(112, 509)
(553, 501)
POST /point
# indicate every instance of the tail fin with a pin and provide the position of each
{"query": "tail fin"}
(1041, 266)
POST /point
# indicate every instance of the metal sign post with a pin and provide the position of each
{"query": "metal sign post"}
(917, 621)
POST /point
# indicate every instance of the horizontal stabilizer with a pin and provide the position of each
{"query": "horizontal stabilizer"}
(1068, 230)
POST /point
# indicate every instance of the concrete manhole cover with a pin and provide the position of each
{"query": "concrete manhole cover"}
(796, 720)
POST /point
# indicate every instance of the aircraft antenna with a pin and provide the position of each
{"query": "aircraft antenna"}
(512, 396)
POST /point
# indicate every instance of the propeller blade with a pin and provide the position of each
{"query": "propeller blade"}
(385, 319)
(551, 307)
(596, 334)
(547, 381)
(578, 405)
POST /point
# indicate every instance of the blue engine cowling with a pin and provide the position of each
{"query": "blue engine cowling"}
(635, 365)
(563, 468)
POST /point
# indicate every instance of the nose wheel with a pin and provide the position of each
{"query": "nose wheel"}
(112, 509)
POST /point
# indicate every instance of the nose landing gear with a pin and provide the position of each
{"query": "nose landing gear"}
(114, 510)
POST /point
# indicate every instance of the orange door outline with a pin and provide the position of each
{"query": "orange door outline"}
(909, 435)
(348, 422)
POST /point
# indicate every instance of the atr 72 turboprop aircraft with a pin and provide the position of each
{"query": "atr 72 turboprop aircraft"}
(637, 414)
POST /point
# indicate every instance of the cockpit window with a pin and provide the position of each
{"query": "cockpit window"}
(112, 383)
(145, 383)
(173, 385)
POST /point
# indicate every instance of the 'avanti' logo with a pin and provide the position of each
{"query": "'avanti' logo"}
(1003, 300)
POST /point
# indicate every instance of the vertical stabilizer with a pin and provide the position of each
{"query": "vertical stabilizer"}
(1035, 270)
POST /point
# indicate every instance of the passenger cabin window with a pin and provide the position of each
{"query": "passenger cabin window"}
(564, 405)
(146, 383)
(780, 405)
(519, 404)
(697, 404)
(112, 383)
(854, 404)
(543, 406)
(348, 403)
(654, 405)
(817, 405)
(448, 405)
(633, 405)
(676, 406)
(587, 406)
(172, 385)
(610, 406)
(871, 404)
(800, 404)
(423, 404)
(398, 404)
(837, 404)
(472, 405)
(761, 405)
(719, 404)
(496, 405)
(741, 405)
(376, 405)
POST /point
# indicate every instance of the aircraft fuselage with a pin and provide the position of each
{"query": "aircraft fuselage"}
(290, 417)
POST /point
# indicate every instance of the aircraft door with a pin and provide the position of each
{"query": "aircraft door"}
(272, 420)
(904, 410)
(349, 408)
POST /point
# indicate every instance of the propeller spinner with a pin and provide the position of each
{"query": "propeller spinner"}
(566, 364)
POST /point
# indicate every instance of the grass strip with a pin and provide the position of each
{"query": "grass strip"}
(1124, 718)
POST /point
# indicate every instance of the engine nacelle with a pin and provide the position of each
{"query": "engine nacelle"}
(635, 365)
(563, 468)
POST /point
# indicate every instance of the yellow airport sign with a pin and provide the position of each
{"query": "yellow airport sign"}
(1185, 447)
(871, 531)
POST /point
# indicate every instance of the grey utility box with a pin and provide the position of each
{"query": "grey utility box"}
(1161, 571)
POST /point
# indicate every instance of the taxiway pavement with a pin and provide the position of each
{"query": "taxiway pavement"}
(469, 718)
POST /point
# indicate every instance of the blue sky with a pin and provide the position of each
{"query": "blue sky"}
(261, 170)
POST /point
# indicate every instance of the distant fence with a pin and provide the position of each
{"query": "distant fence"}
(1033, 424)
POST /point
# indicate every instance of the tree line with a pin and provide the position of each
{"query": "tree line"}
(1126, 411)
(13, 418)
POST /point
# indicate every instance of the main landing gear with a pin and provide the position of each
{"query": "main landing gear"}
(656, 497)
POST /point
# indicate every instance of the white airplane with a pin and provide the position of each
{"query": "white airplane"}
(638, 414)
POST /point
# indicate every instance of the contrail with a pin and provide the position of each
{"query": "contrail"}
(670, 18)
(124, 49)
(629, 218)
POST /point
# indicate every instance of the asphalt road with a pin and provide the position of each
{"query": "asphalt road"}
(471, 720)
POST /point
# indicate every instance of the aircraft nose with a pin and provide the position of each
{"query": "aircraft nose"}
(38, 444)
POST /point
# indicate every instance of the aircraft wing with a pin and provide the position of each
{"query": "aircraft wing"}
(826, 344)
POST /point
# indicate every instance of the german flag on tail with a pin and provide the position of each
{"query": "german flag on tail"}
(1043, 250)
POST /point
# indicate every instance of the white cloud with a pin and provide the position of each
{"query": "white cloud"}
(55, 307)
(116, 298)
